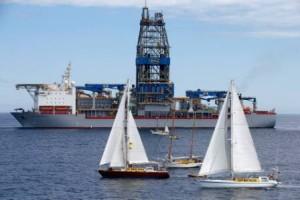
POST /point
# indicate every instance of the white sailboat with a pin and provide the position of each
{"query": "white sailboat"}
(161, 132)
(124, 155)
(233, 151)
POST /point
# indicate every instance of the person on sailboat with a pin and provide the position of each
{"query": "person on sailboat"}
(274, 175)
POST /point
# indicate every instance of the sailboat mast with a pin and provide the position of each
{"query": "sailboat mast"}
(126, 128)
(171, 136)
(231, 127)
(192, 141)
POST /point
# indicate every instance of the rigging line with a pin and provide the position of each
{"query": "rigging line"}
(158, 150)
(192, 138)
(276, 154)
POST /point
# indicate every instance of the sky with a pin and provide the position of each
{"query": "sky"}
(254, 42)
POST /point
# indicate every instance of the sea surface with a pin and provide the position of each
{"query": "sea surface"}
(62, 164)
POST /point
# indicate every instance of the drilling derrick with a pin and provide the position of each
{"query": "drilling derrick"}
(154, 91)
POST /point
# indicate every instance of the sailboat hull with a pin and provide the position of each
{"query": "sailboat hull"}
(178, 165)
(134, 174)
(236, 184)
(154, 132)
(184, 162)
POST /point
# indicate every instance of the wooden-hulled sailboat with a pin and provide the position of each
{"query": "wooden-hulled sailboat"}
(232, 151)
(124, 155)
(189, 161)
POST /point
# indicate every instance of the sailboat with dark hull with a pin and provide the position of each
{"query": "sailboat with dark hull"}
(124, 155)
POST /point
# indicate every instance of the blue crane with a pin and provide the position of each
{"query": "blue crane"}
(100, 87)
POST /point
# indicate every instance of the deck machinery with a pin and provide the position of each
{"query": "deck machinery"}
(154, 91)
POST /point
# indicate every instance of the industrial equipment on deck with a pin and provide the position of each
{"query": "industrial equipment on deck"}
(154, 91)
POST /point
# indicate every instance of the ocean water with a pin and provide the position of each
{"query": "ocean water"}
(62, 164)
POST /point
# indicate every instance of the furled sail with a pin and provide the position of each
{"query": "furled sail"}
(217, 158)
(244, 156)
(113, 148)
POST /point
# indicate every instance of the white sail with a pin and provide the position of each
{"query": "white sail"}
(114, 143)
(136, 150)
(244, 157)
(191, 110)
(217, 158)
(167, 129)
(116, 150)
(118, 158)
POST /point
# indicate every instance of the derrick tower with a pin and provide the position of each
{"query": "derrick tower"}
(154, 90)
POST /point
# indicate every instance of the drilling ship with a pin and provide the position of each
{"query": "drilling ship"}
(65, 105)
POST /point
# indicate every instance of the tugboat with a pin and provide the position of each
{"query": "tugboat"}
(124, 154)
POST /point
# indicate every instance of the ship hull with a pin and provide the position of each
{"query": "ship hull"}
(134, 174)
(36, 120)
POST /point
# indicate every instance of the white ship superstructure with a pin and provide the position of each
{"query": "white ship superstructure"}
(56, 98)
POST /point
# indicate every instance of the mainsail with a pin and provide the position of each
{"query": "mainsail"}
(116, 137)
(244, 157)
(217, 158)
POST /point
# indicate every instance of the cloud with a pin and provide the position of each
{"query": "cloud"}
(283, 16)
(119, 3)
(276, 33)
